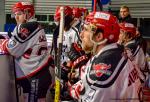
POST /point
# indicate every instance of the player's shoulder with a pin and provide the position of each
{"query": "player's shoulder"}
(31, 26)
(110, 55)
(27, 30)
(106, 67)
(74, 29)
(132, 46)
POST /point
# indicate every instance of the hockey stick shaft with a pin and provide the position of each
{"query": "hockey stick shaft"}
(60, 44)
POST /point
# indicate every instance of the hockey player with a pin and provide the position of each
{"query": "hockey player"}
(71, 34)
(77, 13)
(128, 37)
(79, 57)
(109, 75)
(28, 45)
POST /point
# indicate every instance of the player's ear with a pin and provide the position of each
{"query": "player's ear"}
(98, 37)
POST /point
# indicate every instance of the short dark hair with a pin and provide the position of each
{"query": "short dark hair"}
(124, 7)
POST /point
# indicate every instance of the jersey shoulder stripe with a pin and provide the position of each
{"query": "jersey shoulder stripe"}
(26, 31)
(106, 68)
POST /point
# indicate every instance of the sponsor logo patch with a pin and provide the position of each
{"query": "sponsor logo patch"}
(101, 69)
(102, 15)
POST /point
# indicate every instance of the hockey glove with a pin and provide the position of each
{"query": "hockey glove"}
(3, 45)
(65, 69)
(77, 56)
(77, 89)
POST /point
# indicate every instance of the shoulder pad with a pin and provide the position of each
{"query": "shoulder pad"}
(27, 30)
(105, 69)
(132, 47)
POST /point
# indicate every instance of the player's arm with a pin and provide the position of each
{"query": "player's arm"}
(77, 56)
(21, 39)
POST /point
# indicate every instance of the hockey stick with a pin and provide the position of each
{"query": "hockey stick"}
(58, 69)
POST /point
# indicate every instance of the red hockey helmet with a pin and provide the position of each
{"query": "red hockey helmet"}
(84, 10)
(89, 17)
(106, 22)
(25, 7)
(77, 12)
(129, 28)
(67, 12)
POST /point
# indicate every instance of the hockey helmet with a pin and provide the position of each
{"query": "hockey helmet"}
(106, 22)
(128, 28)
(77, 13)
(84, 10)
(67, 12)
(89, 17)
(25, 7)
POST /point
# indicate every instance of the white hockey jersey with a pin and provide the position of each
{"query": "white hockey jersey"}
(109, 77)
(137, 56)
(70, 36)
(28, 45)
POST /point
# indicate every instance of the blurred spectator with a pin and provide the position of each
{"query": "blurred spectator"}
(125, 15)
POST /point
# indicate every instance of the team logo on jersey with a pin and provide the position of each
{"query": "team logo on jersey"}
(11, 44)
(101, 69)
(24, 33)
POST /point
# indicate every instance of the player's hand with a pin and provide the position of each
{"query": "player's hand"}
(3, 44)
(77, 89)
(72, 75)
(77, 56)
(65, 69)
(75, 52)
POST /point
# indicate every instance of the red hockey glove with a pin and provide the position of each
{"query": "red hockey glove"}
(3, 44)
(77, 89)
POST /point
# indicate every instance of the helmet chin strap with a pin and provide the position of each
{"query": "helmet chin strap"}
(95, 44)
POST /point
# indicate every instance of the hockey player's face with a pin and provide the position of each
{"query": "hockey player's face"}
(122, 36)
(20, 17)
(85, 34)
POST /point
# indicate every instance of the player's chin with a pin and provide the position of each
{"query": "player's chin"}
(18, 22)
(86, 47)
